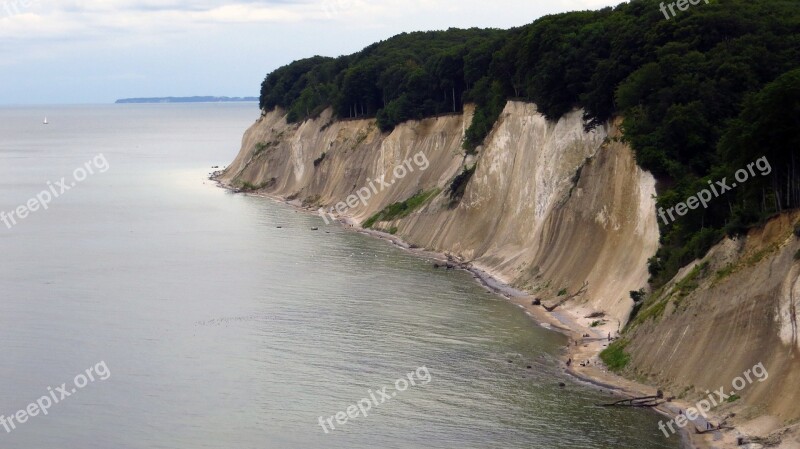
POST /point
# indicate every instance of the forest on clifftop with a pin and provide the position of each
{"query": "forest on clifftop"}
(702, 94)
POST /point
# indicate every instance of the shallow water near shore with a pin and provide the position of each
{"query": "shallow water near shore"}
(221, 330)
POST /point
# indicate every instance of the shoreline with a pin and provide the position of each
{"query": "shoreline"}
(584, 343)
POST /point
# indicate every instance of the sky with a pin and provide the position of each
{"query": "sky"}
(96, 51)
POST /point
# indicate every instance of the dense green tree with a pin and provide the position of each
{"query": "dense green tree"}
(700, 95)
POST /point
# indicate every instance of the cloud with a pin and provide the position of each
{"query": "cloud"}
(97, 50)
(36, 19)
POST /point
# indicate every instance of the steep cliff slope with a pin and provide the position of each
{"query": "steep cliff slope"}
(723, 315)
(548, 208)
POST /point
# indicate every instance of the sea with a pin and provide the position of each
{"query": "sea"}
(144, 307)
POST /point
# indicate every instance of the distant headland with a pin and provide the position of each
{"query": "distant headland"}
(185, 100)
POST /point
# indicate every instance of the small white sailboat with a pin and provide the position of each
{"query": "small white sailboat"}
(45, 121)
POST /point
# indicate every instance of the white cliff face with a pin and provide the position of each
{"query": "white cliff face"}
(786, 313)
(549, 206)
(723, 315)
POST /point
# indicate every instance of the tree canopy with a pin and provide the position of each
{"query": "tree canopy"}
(701, 94)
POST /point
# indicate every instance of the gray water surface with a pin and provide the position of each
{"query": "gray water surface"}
(220, 330)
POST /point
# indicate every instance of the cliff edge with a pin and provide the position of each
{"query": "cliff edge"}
(546, 207)
(566, 215)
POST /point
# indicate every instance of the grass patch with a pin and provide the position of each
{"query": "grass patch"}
(401, 209)
(689, 283)
(596, 323)
(760, 255)
(360, 138)
(393, 230)
(733, 398)
(651, 312)
(562, 292)
(748, 261)
(727, 271)
(615, 357)
(264, 146)
(245, 186)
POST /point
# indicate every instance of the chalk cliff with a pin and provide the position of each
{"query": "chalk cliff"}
(550, 208)
(722, 315)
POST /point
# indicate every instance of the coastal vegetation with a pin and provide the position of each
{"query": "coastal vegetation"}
(246, 186)
(459, 185)
(700, 96)
(615, 357)
(401, 209)
(263, 146)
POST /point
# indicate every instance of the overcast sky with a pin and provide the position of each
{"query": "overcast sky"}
(95, 51)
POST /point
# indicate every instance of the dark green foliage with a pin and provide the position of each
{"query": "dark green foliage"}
(409, 76)
(459, 184)
(637, 307)
(702, 95)
(490, 99)
(638, 295)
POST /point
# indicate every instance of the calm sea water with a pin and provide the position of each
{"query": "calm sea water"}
(209, 327)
